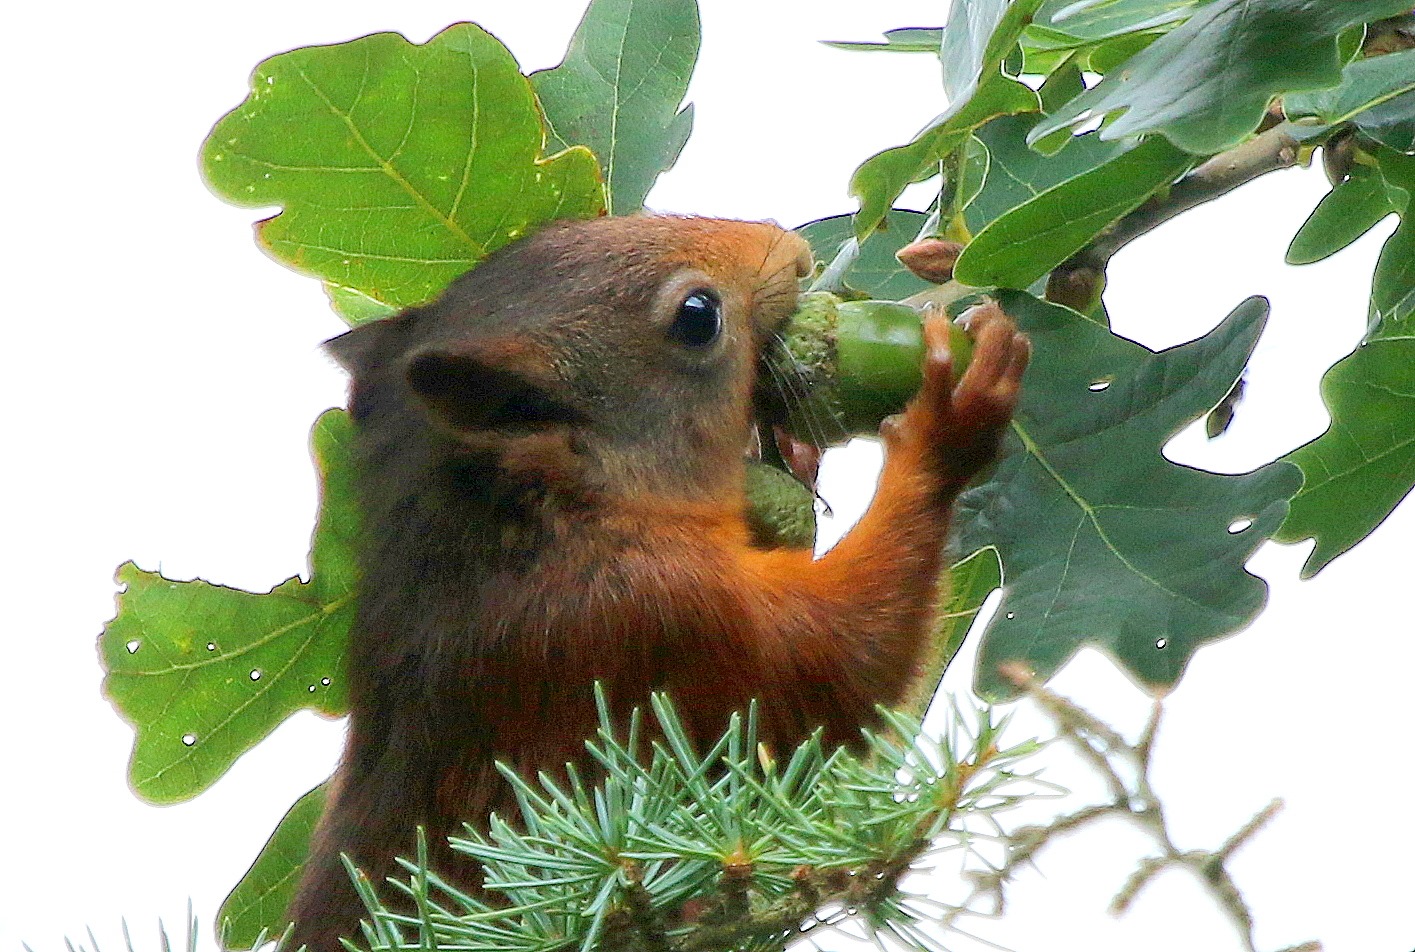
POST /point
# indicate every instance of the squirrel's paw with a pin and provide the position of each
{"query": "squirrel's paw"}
(961, 425)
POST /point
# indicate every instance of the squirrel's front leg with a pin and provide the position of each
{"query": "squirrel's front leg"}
(943, 438)
(949, 432)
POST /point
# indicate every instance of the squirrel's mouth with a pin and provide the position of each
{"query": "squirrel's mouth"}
(778, 392)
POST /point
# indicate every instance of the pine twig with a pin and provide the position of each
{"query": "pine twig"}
(677, 850)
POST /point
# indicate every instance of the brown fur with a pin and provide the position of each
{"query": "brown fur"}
(553, 494)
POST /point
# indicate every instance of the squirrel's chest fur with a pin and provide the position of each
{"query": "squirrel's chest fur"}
(500, 605)
(497, 609)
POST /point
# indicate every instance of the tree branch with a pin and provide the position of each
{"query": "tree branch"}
(1134, 799)
(1077, 281)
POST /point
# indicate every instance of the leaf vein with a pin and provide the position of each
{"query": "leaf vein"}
(392, 172)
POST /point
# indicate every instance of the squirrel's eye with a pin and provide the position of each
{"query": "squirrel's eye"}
(698, 321)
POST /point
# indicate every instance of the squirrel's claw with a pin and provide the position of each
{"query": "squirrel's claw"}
(962, 423)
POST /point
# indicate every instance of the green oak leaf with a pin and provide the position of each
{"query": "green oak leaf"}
(1364, 464)
(259, 901)
(1207, 84)
(204, 672)
(1103, 541)
(1106, 57)
(1060, 87)
(1344, 214)
(973, 172)
(1392, 312)
(1028, 241)
(1106, 19)
(356, 307)
(909, 39)
(884, 176)
(1065, 82)
(398, 166)
(969, 582)
(1042, 54)
(1391, 123)
(1040, 39)
(1018, 174)
(618, 91)
(979, 36)
(875, 272)
(1365, 83)
(1393, 285)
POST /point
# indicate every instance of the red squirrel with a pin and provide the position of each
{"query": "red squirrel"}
(551, 462)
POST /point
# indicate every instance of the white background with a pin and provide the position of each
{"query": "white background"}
(160, 376)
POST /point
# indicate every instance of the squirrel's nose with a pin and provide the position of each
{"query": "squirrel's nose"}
(805, 261)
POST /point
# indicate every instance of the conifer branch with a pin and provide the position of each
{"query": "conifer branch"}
(677, 851)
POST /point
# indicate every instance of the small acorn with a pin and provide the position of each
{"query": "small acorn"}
(780, 510)
(1338, 157)
(853, 363)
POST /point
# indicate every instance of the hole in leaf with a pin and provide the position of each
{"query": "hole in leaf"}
(211, 646)
(133, 646)
(255, 674)
(189, 739)
(1096, 386)
(1087, 122)
(324, 681)
(1238, 525)
(1011, 615)
(1162, 643)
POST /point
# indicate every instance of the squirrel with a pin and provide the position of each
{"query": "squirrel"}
(551, 465)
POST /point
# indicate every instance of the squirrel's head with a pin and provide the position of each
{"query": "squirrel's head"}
(622, 349)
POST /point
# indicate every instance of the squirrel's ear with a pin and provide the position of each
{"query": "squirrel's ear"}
(503, 383)
(356, 349)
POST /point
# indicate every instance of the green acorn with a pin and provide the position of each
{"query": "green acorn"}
(859, 361)
(849, 365)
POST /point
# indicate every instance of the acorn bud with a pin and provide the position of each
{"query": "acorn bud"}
(1077, 288)
(1338, 156)
(931, 259)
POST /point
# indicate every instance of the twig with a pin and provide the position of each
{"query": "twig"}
(1076, 280)
(1101, 747)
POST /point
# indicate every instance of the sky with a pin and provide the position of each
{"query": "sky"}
(163, 374)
